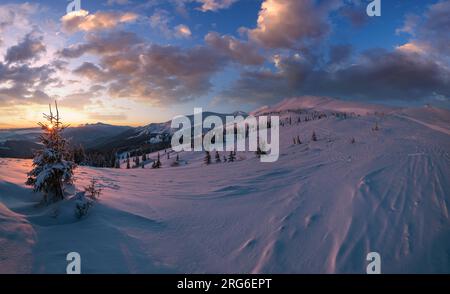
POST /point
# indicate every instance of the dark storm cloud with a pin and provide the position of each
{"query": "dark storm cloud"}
(340, 54)
(377, 75)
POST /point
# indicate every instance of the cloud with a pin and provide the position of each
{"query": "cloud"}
(92, 72)
(183, 31)
(102, 44)
(156, 74)
(286, 23)
(23, 83)
(436, 27)
(28, 49)
(77, 100)
(241, 52)
(118, 2)
(16, 14)
(355, 13)
(215, 5)
(160, 20)
(340, 54)
(168, 74)
(375, 75)
(205, 5)
(430, 32)
(83, 21)
(108, 117)
(409, 25)
(415, 71)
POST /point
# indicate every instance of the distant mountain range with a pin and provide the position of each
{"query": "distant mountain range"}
(99, 137)
(21, 143)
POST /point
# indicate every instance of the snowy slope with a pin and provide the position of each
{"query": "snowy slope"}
(320, 209)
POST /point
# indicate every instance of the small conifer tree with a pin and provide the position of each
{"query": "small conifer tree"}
(52, 166)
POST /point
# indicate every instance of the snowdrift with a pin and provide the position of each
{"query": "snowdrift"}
(320, 209)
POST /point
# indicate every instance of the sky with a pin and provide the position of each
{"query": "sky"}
(130, 62)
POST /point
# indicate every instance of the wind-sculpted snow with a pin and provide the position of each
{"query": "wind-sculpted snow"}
(320, 209)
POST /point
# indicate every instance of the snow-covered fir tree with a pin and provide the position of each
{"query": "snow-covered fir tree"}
(52, 167)
(218, 157)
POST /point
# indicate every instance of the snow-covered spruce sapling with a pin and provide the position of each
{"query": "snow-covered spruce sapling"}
(82, 204)
(52, 167)
(218, 157)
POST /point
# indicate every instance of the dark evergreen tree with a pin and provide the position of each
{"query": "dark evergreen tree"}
(137, 161)
(78, 155)
(314, 137)
(157, 163)
(231, 157)
(207, 159)
(218, 157)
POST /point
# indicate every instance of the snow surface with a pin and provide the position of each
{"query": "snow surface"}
(320, 209)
